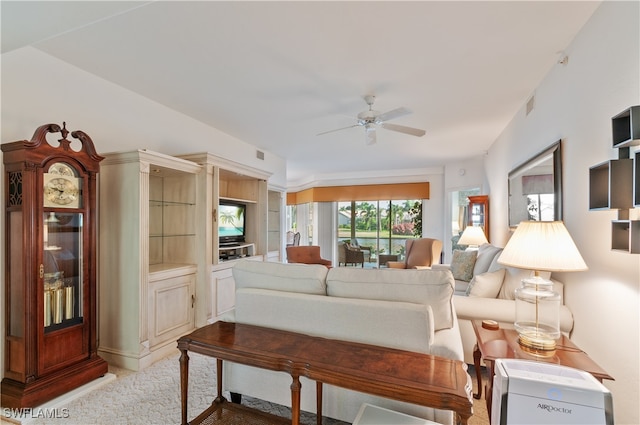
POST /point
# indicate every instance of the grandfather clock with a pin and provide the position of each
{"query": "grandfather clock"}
(50, 344)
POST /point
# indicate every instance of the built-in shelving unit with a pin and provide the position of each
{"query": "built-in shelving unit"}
(614, 184)
(223, 180)
(148, 255)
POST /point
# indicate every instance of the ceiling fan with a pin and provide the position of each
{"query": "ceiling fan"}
(371, 119)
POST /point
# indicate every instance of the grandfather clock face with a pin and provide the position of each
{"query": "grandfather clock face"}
(62, 187)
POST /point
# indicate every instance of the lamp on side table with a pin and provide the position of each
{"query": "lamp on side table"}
(473, 236)
(540, 246)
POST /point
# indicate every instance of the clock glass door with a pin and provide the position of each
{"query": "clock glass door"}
(62, 269)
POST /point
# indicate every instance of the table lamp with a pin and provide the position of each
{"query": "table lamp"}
(540, 246)
(473, 236)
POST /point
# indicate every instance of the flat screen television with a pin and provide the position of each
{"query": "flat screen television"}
(231, 222)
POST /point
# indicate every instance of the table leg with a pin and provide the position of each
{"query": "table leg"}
(318, 403)
(295, 400)
(476, 364)
(184, 383)
(219, 396)
(489, 388)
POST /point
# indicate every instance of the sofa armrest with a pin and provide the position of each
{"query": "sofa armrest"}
(500, 310)
(448, 343)
(441, 266)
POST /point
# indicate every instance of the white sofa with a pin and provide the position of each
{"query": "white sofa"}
(489, 294)
(406, 309)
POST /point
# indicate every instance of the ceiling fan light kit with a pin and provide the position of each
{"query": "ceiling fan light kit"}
(370, 119)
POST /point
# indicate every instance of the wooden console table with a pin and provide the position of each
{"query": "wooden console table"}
(503, 344)
(401, 375)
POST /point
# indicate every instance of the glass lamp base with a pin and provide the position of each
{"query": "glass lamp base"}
(536, 344)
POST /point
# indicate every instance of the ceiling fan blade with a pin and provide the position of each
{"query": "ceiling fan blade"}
(404, 129)
(370, 135)
(395, 113)
(337, 129)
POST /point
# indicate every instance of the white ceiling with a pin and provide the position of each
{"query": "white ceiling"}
(275, 74)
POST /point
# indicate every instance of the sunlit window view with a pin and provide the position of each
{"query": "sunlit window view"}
(379, 229)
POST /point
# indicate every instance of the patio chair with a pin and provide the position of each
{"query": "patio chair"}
(365, 249)
(348, 254)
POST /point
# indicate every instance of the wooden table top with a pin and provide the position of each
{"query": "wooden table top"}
(397, 374)
(503, 344)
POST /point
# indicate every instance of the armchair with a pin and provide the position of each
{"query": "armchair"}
(420, 253)
(306, 255)
(366, 250)
(348, 254)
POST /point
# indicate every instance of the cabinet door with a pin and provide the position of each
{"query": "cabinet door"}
(171, 312)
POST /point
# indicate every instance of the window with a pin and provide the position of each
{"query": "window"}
(383, 226)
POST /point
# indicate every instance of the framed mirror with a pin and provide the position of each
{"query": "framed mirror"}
(535, 187)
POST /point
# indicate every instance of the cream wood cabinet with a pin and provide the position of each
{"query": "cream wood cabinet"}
(148, 243)
(221, 180)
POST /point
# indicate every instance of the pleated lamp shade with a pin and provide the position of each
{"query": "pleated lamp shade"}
(542, 246)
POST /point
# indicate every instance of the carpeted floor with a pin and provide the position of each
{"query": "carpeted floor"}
(152, 396)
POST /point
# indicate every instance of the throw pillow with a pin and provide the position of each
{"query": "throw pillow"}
(513, 280)
(486, 254)
(462, 264)
(486, 285)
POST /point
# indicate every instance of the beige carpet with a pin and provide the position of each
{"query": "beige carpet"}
(152, 396)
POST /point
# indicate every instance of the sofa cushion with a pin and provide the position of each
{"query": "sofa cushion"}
(486, 254)
(486, 285)
(462, 264)
(429, 287)
(304, 278)
(406, 326)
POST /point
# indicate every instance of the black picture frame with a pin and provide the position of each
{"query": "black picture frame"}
(542, 174)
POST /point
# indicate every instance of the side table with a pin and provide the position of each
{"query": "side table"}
(503, 344)
(384, 258)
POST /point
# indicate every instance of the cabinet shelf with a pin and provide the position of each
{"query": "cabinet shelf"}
(625, 236)
(610, 185)
(636, 180)
(168, 235)
(626, 128)
(160, 204)
(245, 201)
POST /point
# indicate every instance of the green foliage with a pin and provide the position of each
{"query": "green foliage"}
(416, 217)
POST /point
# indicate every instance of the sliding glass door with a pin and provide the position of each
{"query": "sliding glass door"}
(382, 226)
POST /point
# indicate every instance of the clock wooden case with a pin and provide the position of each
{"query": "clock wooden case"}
(50, 342)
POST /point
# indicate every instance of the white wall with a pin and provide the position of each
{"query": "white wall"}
(575, 103)
(458, 176)
(38, 89)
